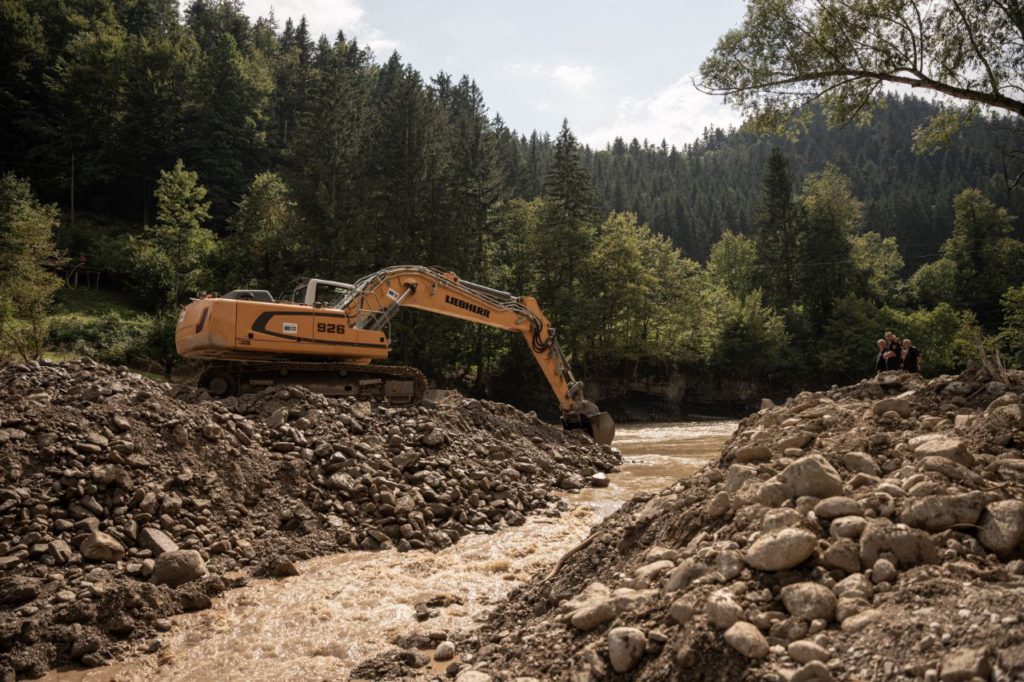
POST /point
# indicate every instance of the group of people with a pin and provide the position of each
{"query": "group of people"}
(895, 353)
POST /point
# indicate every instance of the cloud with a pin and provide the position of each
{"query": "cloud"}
(326, 17)
(574, 78)
(569, 77)
(677, 113)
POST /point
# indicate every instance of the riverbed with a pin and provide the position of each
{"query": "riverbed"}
(345, 608)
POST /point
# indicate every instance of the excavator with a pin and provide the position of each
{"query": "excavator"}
(326, 335)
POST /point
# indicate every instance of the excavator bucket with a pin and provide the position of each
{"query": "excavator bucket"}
(600, 424)
(602, 427)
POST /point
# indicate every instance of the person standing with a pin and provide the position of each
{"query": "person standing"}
(910, 357)
(893, 349)
(880, 360)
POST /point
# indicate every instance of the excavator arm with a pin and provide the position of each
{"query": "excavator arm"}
(374, 300)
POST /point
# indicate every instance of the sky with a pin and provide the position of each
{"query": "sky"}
(611, 68)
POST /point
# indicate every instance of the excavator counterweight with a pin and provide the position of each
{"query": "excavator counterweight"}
(327, 335)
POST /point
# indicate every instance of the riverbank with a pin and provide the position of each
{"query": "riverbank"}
(125, 501)
(870, 532)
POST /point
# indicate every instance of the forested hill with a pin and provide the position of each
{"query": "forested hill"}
(694, 194)
(111, 93)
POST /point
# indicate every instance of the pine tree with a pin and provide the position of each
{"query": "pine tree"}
(775, 238)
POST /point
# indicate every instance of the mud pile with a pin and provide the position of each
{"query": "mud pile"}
(124, 501)
(872, 532)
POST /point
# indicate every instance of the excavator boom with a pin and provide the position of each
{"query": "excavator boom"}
(248, 334)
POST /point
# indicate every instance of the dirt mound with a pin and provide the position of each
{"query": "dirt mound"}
(124, 501)
(872, 532)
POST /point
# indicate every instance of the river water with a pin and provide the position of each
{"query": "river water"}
(345, 608)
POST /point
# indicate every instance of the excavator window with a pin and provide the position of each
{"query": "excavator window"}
(328, 295)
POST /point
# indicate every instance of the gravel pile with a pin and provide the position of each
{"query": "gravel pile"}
(124, 501)
(872, 532)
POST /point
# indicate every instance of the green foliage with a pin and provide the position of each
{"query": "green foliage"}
(934, 283)
(261, 245)
(847, 343)
(1011, 334)
(777, 233)
(27, 253)
(987, 260)
(946, 337)
(787, 54)
(878, 264)
(753, 343)
(170, 258)
(734, 264)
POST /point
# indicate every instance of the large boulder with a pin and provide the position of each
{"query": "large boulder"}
(810, 475)
(178, 567)
(98, 546)
(940, 512)
(907, 546)
(809, 600)
(781, 550)
(1002, 527)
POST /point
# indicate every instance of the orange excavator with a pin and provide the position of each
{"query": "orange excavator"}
(326, 336)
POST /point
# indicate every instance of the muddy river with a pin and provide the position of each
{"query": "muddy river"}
(345, 608)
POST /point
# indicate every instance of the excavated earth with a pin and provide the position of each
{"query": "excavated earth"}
(124, 501)
(871, 532)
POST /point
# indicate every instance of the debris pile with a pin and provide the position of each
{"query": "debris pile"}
(124, 501)
(871, 532)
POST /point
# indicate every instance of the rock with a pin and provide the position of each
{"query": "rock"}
(809, 600)
(720, 504)
(1002, 527)
(781, 550)
(60, 551)
(156, 541)
(939, 512)
(682, 575)
(473, 676)
(861, 463)
(858, 622)
(815, 671)
(965, 665)
(883, 571)
(16, 590)
(811, 475)
(722, 610)
(625, 648)
(745, 638)
(834, 507)
(277, 418)
(842, 554)
(908, 546)
(178, 567)
(212, 432)
(806, 650)
(897, 405)
(945, 446)
(753, 453)
(681, 611)
(413, 658)
(847, 527)
(737, 475)
(593, 615)
(445, 651)
(98, 546)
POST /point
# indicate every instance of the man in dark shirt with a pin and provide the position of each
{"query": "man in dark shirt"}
(892, 353)
(909, 357)
(880, 359)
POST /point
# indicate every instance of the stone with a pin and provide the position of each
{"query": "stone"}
(60, 551)
(965, 665)
(682, 575)
(909, 547)
(834, 507)
(156, 541)
(883, 571)
(815, 671)
(98, 546)
(720, 504)
(15, 590)
(413, 658)
(593, 615)
(811, 475)
(722, 610)
(784, 517)
(806, 650)
(847, 527)
(781, 550)
(681, 611)
(473, 676)
(945, 446)
(445, 651)
(753, 453)
(842, 554)
(861, 463)
(277, 418)
(796, 441)
(858, 622)
(745, 638)
(897, 405)
(940, 512)
(625, 648)
(809, 600)
(737, 475)
(1001, 529)
(178, 567)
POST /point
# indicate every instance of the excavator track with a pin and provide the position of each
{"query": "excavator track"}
(387, 383)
